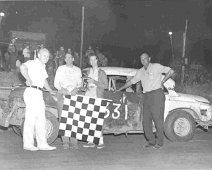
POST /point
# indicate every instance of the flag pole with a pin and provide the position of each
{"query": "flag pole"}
(82, 32)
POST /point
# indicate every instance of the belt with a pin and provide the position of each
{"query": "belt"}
(36, 87)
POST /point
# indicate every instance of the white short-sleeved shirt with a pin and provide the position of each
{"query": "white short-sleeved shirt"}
(37, 72)
(68, 77)
(151, 77)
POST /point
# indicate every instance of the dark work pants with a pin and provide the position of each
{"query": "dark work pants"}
(154, 102)
(60, 101)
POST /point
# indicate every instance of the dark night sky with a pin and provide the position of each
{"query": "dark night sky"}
(125, 23)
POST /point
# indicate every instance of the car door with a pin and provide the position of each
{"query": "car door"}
(124, 112)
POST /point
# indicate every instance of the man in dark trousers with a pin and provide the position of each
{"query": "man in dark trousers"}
(150, 76)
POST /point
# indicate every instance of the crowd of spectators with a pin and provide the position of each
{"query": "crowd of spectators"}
(11, 58)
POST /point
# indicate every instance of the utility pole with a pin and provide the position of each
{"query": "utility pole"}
(82, 32)
(184, 59)
(172, 49)
(1, 17)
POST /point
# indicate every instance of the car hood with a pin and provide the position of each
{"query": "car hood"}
(191, 98)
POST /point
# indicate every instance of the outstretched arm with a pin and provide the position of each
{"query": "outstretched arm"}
(167, 76)
(131, 81)
(126, 85)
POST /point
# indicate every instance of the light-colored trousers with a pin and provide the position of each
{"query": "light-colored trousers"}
(35, 119)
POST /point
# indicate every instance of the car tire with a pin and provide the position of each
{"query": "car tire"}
(52, 127)
(179, 126)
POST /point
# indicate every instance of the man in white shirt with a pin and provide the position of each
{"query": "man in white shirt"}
(35, 121)
(68, 79)
(150, 75)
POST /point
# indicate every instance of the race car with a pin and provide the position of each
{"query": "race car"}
(124, 112)
(183, 112)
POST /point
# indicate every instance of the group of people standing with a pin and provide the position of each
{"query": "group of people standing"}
(13, 57)
(68, 81)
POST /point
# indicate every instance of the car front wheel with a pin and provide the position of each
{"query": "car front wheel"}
(52, 127)
(179, 126)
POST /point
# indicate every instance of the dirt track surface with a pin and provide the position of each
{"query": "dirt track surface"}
(120, 153)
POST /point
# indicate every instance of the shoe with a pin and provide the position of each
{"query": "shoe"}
(149, 145)
(89, 145)
(100, 146)
(47, 148)
(157, 146)
(65, 146)
(32, 148)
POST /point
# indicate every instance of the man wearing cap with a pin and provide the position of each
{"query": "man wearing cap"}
(150, 76)
(35, 121)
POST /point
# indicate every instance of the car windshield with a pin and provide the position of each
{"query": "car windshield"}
(115, 82)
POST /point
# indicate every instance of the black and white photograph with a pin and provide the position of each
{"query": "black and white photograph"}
(106, 85)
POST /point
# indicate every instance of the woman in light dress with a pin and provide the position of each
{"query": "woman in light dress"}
(97, 83)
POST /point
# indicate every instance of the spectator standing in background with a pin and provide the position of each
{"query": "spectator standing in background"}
(69, 51)
(26, 53)
(61, 56)
(102, 59)
(11, 57)
(89, 52)
(76, 59)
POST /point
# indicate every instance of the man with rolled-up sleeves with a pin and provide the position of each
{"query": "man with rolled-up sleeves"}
(150, 76)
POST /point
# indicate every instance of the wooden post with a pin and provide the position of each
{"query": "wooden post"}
(0, 21)
(172, 49)
(82, 32)
(183, 53)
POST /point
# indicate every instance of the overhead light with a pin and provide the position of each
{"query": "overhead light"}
(170, 33)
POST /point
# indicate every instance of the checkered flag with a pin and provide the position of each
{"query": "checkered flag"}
(82, 118)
